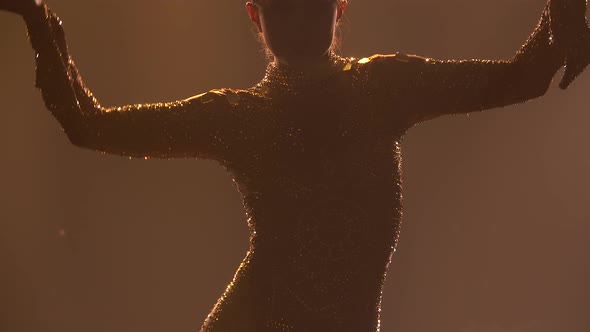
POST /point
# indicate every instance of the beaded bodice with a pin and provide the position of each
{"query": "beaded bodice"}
(320, 181)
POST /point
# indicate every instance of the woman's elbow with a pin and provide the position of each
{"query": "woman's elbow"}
(79, 133)
(76, 138)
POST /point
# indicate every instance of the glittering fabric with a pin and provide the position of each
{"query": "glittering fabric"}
(316, 157)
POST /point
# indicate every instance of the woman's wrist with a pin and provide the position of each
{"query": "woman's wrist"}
(34, 11)
(31, 8)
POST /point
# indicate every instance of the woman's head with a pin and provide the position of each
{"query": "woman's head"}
(297, 32)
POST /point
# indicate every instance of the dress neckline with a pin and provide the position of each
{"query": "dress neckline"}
(285, 80)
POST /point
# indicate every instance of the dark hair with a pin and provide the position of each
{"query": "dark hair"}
(340, 2)
(258, 1)
(336, 41)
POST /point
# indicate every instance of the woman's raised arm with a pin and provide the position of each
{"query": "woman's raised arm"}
(419, 88)
(198, 127)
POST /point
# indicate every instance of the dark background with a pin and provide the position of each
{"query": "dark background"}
(496, 225)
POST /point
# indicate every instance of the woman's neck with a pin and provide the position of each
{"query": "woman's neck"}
(282, 78)
(305, 65)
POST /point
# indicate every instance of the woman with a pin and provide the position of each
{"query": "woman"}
(313, 147)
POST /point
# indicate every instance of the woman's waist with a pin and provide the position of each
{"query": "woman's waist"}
(295, 290)
(337, 234)
(321, 270)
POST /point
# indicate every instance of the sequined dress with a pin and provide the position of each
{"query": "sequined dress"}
(315, 155)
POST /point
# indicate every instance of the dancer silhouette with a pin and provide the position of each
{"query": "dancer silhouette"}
(313, 147)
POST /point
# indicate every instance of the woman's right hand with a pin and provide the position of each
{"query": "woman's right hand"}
(21, 7)
(570, 31)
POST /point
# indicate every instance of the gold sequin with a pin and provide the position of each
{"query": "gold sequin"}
(364, 60)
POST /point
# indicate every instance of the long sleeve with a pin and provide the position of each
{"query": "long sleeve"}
(412, 89)
(198, 127)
